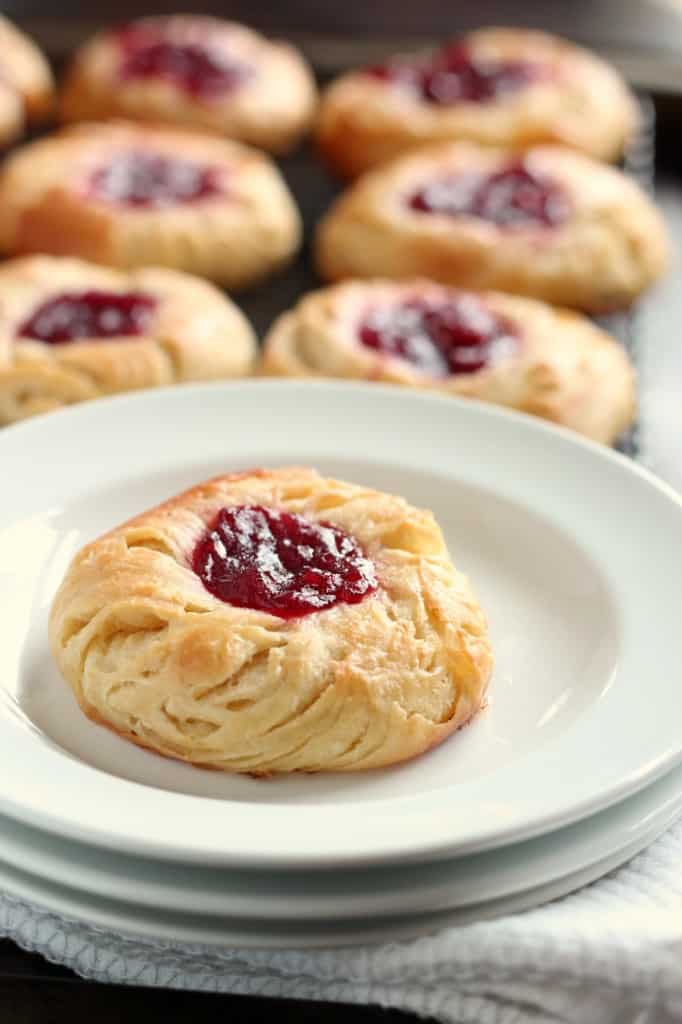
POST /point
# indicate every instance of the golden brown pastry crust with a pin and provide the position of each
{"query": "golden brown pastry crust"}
(195, 333)
(233, 239)
(584, 104)
(152, 654)
(271, 109)
(611, 247)
(26, 83)
(565, 370)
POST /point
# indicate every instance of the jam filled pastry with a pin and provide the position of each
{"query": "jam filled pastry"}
(274, 621)
(195, 72)
(70, 331)
(128, 195)
(551, 224)
(512, 351)
(26, 83)
(495, 87)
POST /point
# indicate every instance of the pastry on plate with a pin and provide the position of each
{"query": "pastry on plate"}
(196, 72)
(494, 87)
(512, 351)
(70, 331)
(26, 84)
(274, 621)
(129, 195)
(551, 224)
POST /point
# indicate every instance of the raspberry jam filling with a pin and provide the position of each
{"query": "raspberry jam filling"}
(89, 314)
(512, 197)
(455, 75)
(281, 563)
(148, 180)
(198, 67)
(460, 335)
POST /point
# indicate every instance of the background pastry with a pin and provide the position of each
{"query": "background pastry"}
(196, 72)
(552, 224)
(496, 86)
(498, 348)
(130, 195)
(26, 84)
(274, 621)
(71, 331)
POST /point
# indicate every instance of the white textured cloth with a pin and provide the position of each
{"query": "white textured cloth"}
(608, 954)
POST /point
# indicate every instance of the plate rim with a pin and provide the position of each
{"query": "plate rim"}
(152, 926)
(640, 817)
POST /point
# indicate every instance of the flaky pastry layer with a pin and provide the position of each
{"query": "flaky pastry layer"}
(609, 249)
(26, 83)
(150, 653)
(580, 102)
(194, 333)
(234, 238)
(564, 369)
(272, 108)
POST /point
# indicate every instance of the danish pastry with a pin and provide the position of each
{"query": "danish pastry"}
(71, 331)
(498, 348)
(195, 72)
(26, 83)
(131, 195)
(552, 224)
(274, 621)
(494, 87)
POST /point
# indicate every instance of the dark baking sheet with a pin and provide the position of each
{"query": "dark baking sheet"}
(313, 189)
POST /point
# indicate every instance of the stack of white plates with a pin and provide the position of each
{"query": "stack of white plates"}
(575, 765)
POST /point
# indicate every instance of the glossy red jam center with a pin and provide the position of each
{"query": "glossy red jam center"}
(196, 66)
(454, 75)
(281, 563)
(458, 336)
(89, 314)
(512, 197)
(149, 180)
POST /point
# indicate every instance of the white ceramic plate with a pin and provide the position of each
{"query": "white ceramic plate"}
(77, 909)
(170, 927)
(575, 553)
(608, 837)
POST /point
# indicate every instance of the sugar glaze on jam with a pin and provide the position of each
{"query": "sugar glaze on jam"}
(457, 336)
(140, 179)
(455, 75)
(281, 563)
(514, 196)
(89, 314)
(195, 64)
